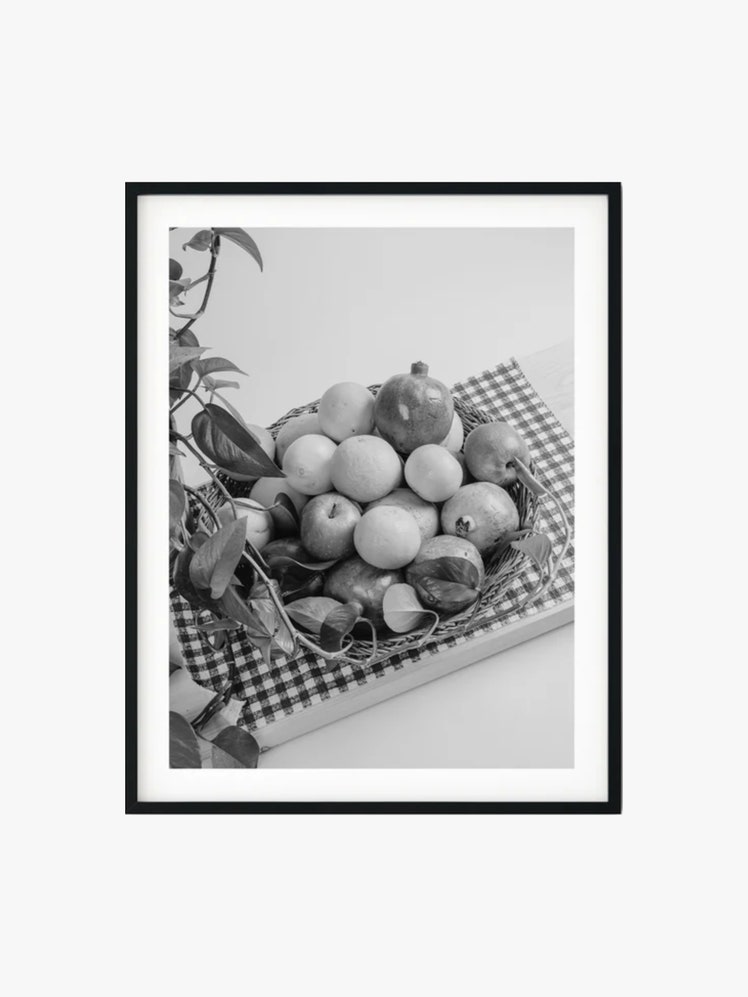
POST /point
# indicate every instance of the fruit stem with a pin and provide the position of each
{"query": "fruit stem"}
(420, 368)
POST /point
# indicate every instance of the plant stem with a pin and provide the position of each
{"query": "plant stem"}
(187, 392)
(209, 276)
(198, 497)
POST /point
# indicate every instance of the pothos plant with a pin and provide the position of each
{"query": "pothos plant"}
(214, 567)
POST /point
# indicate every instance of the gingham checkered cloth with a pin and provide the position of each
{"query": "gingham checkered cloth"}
(288, 687)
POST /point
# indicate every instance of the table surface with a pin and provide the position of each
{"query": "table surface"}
(514, 709)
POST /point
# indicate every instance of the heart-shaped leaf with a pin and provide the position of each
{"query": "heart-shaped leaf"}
(310, 613)
(447, 597)
(184, 752)
(402, 609)
(243, 239)
(230, 446)
(180, 355)
(200, 241)
(537, 547)
(337, 625)
(448, 569)
(285, 516)
(197, 598)
(528, 479)
(214, 365)
(177, 503)
(235, 748)
(214, 564)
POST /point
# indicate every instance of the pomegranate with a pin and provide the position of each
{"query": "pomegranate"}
(413, 409)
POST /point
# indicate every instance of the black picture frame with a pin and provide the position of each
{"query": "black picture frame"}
(613, 193)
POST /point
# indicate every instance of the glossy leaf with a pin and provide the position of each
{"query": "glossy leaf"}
(214, 365)
(402, 609)
(448, 569)
(285, 516)
(175, 270)
(242, 239)
(196, 597)
(230, 446)
(537, 547)
(184, 752)
(180, 355)
(235, 748)
(337, 625)
(200, 241)
(311, 612)
(177, 503)
(214, 563)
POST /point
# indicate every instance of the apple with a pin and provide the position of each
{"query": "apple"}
(327, 525)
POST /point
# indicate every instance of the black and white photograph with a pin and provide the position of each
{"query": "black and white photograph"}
(371, 488)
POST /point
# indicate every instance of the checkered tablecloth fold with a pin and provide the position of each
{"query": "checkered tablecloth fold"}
(287, 687)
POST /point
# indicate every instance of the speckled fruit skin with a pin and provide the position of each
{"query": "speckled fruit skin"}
(356, 581)
(482, 513)
(413, 409)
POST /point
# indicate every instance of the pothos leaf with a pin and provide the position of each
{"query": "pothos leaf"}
(214, 365)
(243, 239)
(201, 241)
(337, 625)
(214, 564)
(235, 748)
(537, 547)
(448, 569)
(180, 355)
(230, 446)
(177, 503)
(285, 516)
(310, 613)
(184, 752)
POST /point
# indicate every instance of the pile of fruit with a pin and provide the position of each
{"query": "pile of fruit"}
(386, 515)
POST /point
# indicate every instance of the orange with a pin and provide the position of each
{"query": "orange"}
(365, 468)
(346, 409)
(387, 537)
(433, 472)
(307, 464)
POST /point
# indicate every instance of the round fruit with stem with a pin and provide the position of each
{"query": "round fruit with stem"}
(491, 451)
(413, 409)
(346, 409)
(327, 525)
